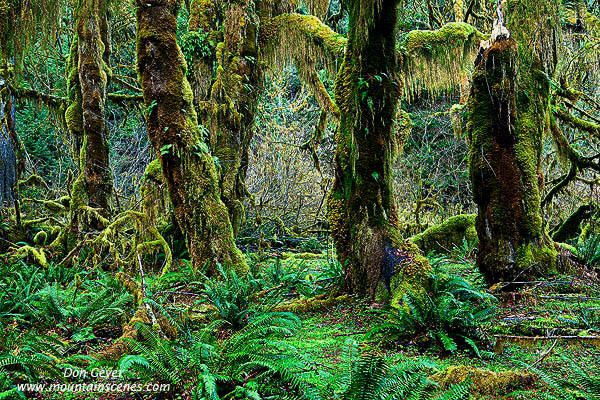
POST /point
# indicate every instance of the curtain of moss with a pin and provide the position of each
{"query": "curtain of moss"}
(187, 166)
(508, 112)
(361, 207)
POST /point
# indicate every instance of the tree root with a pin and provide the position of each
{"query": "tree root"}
(144, 315)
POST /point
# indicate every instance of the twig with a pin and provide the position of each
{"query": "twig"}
(545, 354)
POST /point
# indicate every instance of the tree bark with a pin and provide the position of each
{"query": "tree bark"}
(507, 119)
(94, 53)
(188, 168)
(228, 108)
(361, 206)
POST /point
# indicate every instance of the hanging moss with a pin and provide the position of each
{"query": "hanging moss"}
(434, 61)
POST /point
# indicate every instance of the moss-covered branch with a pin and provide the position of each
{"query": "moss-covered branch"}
(50, 101)
(577, 123)
(305, 37)
(434, 60)
(571, 226)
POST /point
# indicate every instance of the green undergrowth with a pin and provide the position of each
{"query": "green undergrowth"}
(230, 341)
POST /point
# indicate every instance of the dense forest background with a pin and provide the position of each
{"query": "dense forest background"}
(345, 199)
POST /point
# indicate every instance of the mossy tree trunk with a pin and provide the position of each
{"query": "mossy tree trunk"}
(94, 49)
(188, 167)
(361, 206)
(88, 73)
(508, 116)
(228, 108)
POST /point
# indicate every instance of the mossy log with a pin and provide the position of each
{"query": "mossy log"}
(447, 235)
(314, 304)
(187, 166)
(485, 382)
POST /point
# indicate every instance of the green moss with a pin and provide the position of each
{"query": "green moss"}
(153, 171)
(484, 382)
(426, 42)
(31, 254)
(435, 60)
(300, 256)
(40, 238)
(447, 235)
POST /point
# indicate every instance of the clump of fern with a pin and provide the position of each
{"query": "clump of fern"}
(233, 296)
(589, 251)
(579, 384)
(450, 314)
(255, 361)
(57, 295)
(26, 358)
(371, 377)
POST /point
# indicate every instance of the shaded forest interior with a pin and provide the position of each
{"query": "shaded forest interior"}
(300, 199)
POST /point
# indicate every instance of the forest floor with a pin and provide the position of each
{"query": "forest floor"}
(563, 308)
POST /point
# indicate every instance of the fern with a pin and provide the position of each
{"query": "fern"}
(373, 378)
(451, 314)
(259, 350)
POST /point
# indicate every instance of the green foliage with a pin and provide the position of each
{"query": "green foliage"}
(589, 250)
(195, 45)
(584, 318)
(372, 377)
(253, 362)
(27, 357)
(580, 384)
(59, 296)
(307, 279)
(450, 314)
(232, 295)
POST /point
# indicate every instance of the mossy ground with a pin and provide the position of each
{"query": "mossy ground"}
(542, 308)
(325, 335)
